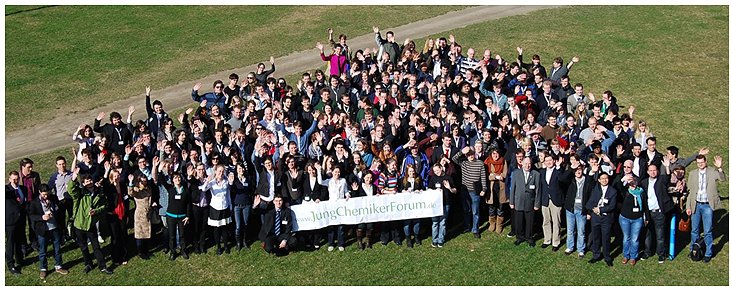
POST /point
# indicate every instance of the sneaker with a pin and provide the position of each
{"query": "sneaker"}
(341, 249)
(581, 255)
(440, 245)
(43, 275)
(62, 271)
(511, 235)
(476, 235)
(100, 239)
(107, 271)
(568, 252)
(644, 257)
(661, 259)
(707, 259)
(434, 245)
(331, 248)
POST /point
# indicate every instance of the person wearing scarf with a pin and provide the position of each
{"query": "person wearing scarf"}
(496, 200)
(633, 215)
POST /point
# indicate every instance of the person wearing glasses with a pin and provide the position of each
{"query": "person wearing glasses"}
(261, 74)
(216, 97)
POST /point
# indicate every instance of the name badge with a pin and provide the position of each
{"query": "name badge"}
(245, 184)
(635, 209)
(531, 186)
(284, 222)
(121, 143)
(578, 200)
(605, 200)
(279, 183)
(307, 198)
(178, 196)
(294, 190)
(126, 197)
(438, 185)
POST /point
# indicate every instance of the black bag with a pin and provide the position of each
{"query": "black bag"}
(696, 251)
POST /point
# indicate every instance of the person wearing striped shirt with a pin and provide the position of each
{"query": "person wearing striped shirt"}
(473, 185)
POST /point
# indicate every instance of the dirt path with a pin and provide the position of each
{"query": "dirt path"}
(57, 132)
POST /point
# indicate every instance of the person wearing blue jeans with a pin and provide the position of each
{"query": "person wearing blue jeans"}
(473, 183)
(242, 199)
(704, 199)
(634, 213)
(439, 180)
(578, 192)
(42, 212)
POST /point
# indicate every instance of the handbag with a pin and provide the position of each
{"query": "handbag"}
(684, 221)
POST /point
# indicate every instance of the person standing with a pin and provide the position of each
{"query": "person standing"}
(42, 215)
(88, 206)
(524, 198)
(551, 202)
(442, 181)
(602, 204)
(497, 171)
(660, 206)
(139, 189)
(57, 182)
(16, 204)
(474, 183)
(704, 199)
(219, 214)
(634, 214)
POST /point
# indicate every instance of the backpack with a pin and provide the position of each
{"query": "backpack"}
(696, 251)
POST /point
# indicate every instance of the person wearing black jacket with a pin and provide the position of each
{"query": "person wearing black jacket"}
(578, 192)
(366, 188)
(117, 206)
(177, 213)
(42, 215)
(15, 217)
(118, 133)
(242, 198)
(660, 206)
(276, 233)
(200, 199)
(312, 191)
(602, 205)
(634, 213)
(155, 114)
(442, 181)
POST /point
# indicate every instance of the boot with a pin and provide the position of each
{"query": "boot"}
(238, 242)
(359, 239)
(492, 222)
(367, 238)
(499, 224)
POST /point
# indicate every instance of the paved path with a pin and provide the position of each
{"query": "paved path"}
(57, 132)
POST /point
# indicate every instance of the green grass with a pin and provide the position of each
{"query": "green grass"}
(670, 62)
(68, 59)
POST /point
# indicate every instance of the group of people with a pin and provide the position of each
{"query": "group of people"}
(509, 142)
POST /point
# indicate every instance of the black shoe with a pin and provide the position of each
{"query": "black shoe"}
(383, 243)
(368, 245)
(644, 257)
(410, 244)
(532, 244)
(362, 246)
(166, 250)
(184, 254)
(172, 256)
(609, 263)
(418, 242)
(14, 270)
(227, 250)
(107, 271)
(219, 251)
(544, 246)
(554, 249)
(87, 269)
(594, 260)
(476, 235)
(518, 242)
(511, 234)
(707, 259)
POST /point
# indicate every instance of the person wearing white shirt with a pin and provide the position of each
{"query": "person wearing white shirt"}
(220, 206)
(337, 189)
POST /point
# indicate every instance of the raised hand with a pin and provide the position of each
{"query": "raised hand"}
(520, 50)
(620, 149)
(666, 161)
(203, 103)
(130, 177)
(330, 31)
(465, 150)
(130, 110)
(128, 149)
(271, 59)
(703, 151)
(100, 158)
(197, 86)
(100, 116)
(376, 29)
(452, 38)
(631, 110)
(718, 161)
(591, 96)
(107, 166)
(189, 111)
(156, 161)
(575, 59)
(319, 46)
(147, 90)
(184, 155)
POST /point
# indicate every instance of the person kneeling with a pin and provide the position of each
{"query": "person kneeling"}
(276, 233)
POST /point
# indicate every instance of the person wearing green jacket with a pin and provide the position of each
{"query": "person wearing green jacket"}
(89, 206)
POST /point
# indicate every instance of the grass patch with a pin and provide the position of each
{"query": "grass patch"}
(75, 58)
(636, 52)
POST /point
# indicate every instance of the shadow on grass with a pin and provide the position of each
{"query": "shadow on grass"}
(29, 10)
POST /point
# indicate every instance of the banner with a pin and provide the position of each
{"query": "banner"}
(367, 209)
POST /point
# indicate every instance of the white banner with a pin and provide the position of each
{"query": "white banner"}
(367, 209)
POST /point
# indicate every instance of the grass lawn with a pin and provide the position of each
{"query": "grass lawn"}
(74, 58)
(660, 59)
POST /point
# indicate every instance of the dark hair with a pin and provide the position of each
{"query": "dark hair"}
(25, 161)
(157, 102)
(650, 139)
(218, 82)
(673, 150)
(114, 115)
(701, 157)
(233, 76)
(44, 188)
(60, 158)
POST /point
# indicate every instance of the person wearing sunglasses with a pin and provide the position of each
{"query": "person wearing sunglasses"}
(216, 97)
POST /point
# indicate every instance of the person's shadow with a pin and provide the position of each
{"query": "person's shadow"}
(720, 228)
